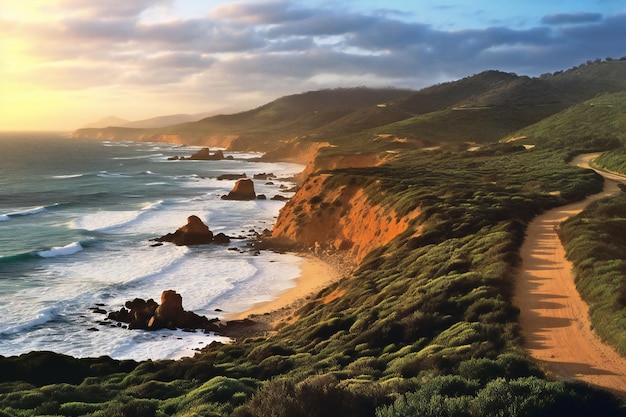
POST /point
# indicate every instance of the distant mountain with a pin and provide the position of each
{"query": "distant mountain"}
(480, 108)
(163, 121)
(151, 123)
(106, 122)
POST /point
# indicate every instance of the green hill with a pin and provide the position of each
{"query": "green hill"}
(600, 123)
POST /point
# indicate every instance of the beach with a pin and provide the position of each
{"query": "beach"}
(315, 275)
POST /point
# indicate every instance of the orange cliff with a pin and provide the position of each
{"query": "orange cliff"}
(323, 216)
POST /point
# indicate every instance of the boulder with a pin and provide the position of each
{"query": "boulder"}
(137, 313)
(205, 154)
(195, 232)
(279, 197)
(263, 176)
(232, 176)
(243, 190)
(221, 238)
(169, 314)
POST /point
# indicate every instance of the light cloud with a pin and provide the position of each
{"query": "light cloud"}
(262, 50)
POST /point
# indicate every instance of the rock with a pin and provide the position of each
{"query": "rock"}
(232, 176)
(195, 232)
(149, 315)
(221, 238)
(261, 197)
(262, 176)
(243, 190)
(136, 314)
(205, 154)
(278, 197)
(173, 158)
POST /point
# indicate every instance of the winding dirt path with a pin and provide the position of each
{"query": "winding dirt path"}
(554, 319)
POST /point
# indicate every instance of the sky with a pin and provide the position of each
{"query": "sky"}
(65, 63)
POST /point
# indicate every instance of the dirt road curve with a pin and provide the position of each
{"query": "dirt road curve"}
(553, 318)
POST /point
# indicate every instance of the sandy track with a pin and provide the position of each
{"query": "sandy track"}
(554, 319)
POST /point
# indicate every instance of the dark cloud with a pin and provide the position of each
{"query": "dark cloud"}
(571, 18)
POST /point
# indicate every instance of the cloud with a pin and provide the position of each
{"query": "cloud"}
(268, 49)
(108, 8)
(273, 12)
(571, 18)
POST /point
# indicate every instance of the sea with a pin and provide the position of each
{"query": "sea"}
(76, 221)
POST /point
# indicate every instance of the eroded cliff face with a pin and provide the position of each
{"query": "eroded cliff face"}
(322, 216)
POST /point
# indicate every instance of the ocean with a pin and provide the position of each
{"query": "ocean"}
(76, 219)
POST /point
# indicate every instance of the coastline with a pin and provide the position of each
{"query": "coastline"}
(315, 275)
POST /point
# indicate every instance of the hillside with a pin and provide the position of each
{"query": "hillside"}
(476, 109)
(425, 323)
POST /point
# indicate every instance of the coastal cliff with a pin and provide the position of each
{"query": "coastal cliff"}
(328, 216)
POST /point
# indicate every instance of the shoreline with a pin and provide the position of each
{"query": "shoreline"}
(315, 275)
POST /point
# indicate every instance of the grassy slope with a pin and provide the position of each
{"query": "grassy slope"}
(425, 326)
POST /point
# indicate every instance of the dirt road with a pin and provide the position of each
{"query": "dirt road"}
(554, 319)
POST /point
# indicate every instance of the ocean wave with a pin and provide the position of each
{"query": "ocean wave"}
(107, 174)
(65, 177)
(15, 257)
(43, 316)
(24, 212)
(66, 250)
(102, 221)
(28, 211)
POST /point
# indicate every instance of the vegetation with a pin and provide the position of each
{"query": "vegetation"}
(601, 268)
(614, 161)
(425, 325)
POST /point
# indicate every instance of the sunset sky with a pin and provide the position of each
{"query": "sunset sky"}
(65, 63)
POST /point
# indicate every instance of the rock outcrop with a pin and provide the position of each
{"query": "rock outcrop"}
(232, 176)
(195, 232)
(243, 190)
(148, 315)
(170, 314)
(205, 154)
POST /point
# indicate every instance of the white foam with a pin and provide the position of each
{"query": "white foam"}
(4, 218)
(63, 177)
(41, 317)
(106, 174)
(109, 220)
(66, 250)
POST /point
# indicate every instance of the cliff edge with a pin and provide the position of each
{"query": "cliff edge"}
(326, 216)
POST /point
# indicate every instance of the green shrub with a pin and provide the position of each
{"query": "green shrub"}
(79, 408)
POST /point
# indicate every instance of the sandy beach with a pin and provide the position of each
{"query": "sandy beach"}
(315, 275)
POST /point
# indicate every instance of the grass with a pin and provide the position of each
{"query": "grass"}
(600, 268)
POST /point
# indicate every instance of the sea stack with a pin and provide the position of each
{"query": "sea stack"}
(243, 190)
(205, 154)
(169, 314)
(195, 232)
